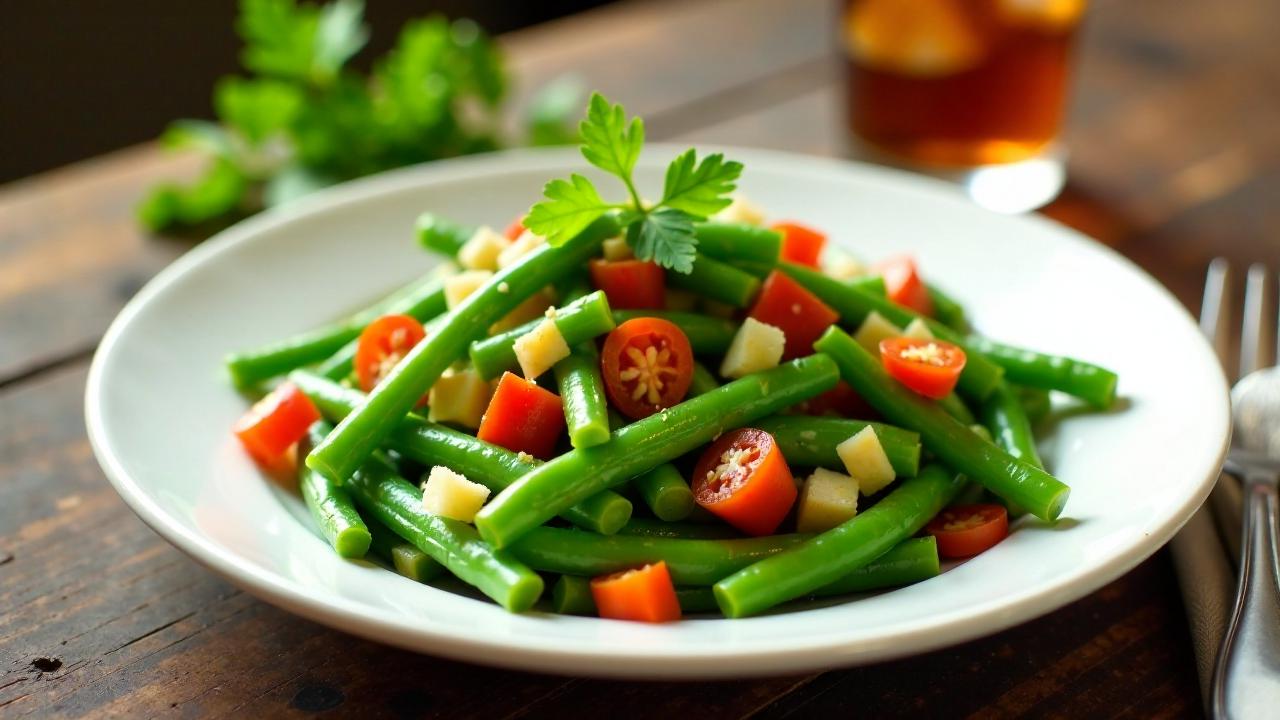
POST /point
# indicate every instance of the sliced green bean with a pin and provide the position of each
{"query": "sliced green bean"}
(423, 298)
(948, 310)
(1003, 416)
(1015, 480)
(441, 236)
(340, 364)
(645, 444)
(956, 408)
(665, 491)
(648, 527)
(828, 557)
(571, 595)
(1091, 383)
(911, 561)
(357, 436)
(716, 280)
(690, 562)
(578, 322)
(402, 556)
(807, 441)
(707, 335)
(980, 375)
(494, 467)
(703, 381)
(330, 505)
(740, 244)
(586, 410)
(396, 503)
(873, 284)
(1036, 402)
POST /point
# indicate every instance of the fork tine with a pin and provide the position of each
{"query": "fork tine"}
(1255, 343)
(1214, 309)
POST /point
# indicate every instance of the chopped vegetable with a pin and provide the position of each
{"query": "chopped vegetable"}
(383, 344)
(929, 367)
(329, 503)
(523, 417)
(826, 500)
(865, 460)
(756, 346)
(647, 365)
(786, 305)
(275, 424)
(448, 494)
(514, 229)
(801, 244)
(629, 283)
(644, 594)
(965, 530)
(903, 284)
(744, 480)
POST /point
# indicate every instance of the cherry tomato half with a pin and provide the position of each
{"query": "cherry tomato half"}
(645, 594)
(903, 285)
(275, 424)
(966, 530)
(928, 367)
(382, 345)
(743, 479)
(647, 365)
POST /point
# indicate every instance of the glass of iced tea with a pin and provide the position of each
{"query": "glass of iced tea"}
(972, 90)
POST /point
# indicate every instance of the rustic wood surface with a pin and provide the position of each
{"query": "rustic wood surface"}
(1175, 140)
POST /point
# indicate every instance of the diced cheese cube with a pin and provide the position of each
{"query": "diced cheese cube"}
(918, 329)
(481, 251)
(874, 329)
(530, 309)
(452, 495)
(757, 346)
(864, 458)
(525, 244)
(827, 499)
(540, 348)
(841, 265)
(681, 300)
(459, 397)
(458, 287)
(740, 210)
(617, 249)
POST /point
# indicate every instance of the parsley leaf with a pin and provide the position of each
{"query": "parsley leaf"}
(665, 236)
(700, 189)
(571, 206)
(608, 141)
(257, 108)
(339, 35)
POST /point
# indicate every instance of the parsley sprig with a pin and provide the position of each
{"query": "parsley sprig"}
(662, 232)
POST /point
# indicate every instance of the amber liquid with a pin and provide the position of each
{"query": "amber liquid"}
(959, 82)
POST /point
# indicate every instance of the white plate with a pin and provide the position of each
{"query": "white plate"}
(159, 409)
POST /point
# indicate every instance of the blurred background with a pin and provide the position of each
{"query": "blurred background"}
(81, 77)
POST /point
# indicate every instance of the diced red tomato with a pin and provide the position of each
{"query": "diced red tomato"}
(629, 284)
(275, 424)
(841, 400)
(743, 479)
(801, 316)
(966, 530)
(903, 285)
(647, 365)
(645, 594)
(928, 367)
(801, 244)
(382, 345)
(515, 229)
(523, 417)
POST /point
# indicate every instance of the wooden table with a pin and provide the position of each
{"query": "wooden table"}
(1176, 156)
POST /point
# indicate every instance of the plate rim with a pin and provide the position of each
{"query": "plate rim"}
(937, 631)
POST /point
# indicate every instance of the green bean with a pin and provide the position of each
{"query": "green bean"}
(748, 246)
(707, 335)
(647, 443)
(571, 595)
(811, 441)
(690, 562)
(826, 558)
(492, 466)
(980, 375)
(440, 235)
(1036, 402)
(716, 280)
(911, 561)
(1095, 385)
(403, 557)
(703, 381)
(873, 284)
(586, 411)
(956, 408)
(357, 436)
(665, 492)
(1017, 481)
(948, 311)
(423, 298)
(1003, 416)
(330, 505)
(647, 527)
(340, 364)
(397, 504)
(578, 322)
